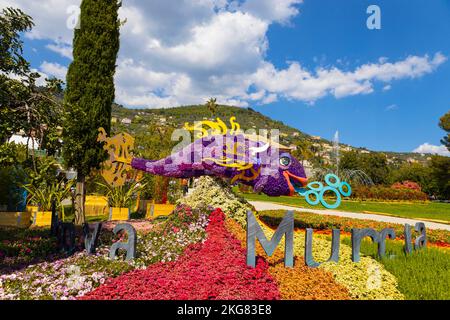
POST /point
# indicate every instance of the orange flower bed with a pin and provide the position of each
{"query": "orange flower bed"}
(299, 282)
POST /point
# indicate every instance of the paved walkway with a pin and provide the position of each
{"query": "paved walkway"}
(261, 205)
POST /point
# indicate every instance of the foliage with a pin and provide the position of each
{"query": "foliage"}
(304, 151)
(43, 196)
(121, 196)
(440, 173)
(387, 193)
(10, 194)
(44, 173)
(303, 220)
(444, 123)
(422, 275)
(175, 191)
(12, 23)
(217, 193)
(12, 154)
(415, 172)
(212, 105)
(90, 84)
(20, 247)
(373, 164)
(24, 105)
(155, 143)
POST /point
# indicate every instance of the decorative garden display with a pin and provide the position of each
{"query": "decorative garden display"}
(251, 160)
(316, 189)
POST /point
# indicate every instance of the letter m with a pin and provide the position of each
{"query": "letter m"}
(254, 232)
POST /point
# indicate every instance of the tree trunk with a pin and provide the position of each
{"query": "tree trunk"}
(79, 200)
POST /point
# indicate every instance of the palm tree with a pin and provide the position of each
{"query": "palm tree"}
(212, 105)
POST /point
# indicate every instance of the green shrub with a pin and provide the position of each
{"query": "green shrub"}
(388, 193)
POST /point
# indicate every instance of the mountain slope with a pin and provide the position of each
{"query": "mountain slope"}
(248, 119)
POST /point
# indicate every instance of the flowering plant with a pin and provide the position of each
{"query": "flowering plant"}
(214, 269)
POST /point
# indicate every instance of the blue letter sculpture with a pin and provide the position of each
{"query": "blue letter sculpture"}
(91, 239)
(254, 231)
(377, 237)
(421, 241)
(335, 242)
(129, 246)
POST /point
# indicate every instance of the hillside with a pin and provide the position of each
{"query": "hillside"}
(135, 121)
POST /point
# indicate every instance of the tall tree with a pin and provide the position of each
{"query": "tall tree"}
(440, 174)
(23, 104)
(12, 23)
(90, 90)
(444, 123)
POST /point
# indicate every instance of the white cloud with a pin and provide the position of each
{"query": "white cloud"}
(49, 16)
(54, 69)
(61, 48)
(429, 148)
(391, 107)
(177, 52)
(281, 10)
(295, 82)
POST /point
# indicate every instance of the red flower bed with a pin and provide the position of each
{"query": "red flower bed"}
(215, 269)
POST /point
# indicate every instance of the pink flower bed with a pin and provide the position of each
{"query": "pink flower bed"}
(143, 226)
(215, 269)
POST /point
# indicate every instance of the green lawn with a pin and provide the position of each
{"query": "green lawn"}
(422, 275)
(430, 210)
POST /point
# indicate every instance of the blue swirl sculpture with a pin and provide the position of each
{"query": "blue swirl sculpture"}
(317, 189)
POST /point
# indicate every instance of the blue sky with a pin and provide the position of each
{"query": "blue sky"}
(312, 64)
(399, 119)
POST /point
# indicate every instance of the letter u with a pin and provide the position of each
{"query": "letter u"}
(335, 244)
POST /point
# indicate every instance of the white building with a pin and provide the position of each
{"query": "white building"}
(126, 121)
(33, 143)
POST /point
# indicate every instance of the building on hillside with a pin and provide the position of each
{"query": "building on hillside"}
(296, 134)
(308, 168)
(113, 120)
(316, 137)
(346, 148)
(126, 121)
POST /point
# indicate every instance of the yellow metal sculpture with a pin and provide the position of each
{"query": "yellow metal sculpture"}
(120, 151)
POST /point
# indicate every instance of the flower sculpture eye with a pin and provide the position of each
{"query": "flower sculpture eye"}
(285, 161)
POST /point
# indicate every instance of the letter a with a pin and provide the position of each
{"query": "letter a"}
(374, 20)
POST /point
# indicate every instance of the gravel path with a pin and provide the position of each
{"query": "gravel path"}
(261, 205)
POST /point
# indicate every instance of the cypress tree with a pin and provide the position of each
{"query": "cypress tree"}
(90, 90)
